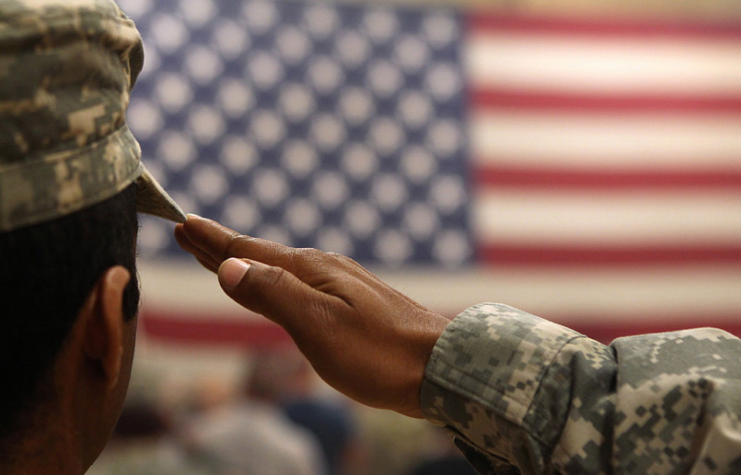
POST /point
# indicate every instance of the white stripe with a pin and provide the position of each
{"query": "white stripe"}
(609, 218)
(681, 291)
(184, 290)
(670, 141)
(567, 64)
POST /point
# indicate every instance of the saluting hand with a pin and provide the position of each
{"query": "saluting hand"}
(364, 338)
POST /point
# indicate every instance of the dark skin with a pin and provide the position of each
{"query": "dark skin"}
(362, 337)
(90, 378)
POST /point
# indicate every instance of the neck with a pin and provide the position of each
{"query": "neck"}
(57, 464)
(46, 445)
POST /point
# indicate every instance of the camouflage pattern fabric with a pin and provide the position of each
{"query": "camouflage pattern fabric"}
(527, 396)
(66, 71)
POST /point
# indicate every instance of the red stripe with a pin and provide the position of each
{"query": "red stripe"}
(493, 99)
(507, 254)
(566, 179)
(211, 331)
(603, 28)
(205, 331)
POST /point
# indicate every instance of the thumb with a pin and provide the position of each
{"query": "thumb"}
(271, 291)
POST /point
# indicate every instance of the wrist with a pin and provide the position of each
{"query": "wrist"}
(423, 342)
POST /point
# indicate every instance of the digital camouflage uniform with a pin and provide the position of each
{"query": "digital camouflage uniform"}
(522, 392)
(66, 71)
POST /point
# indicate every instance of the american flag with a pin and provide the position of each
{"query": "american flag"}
(588, 171)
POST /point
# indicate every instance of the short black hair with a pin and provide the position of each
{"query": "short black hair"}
(46, 273)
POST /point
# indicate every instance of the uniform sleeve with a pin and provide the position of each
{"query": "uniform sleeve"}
(526, 396)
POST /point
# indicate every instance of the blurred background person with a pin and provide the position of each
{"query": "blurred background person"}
(144, 443)
(330, 419)
(252, 434)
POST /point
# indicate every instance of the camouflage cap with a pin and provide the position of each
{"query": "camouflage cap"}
(66, 71)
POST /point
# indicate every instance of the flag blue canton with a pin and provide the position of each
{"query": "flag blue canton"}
(340, 127)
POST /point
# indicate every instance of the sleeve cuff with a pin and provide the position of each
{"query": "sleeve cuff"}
(492, 355)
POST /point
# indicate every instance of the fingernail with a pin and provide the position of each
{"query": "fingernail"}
(232, 271)
(192, 216)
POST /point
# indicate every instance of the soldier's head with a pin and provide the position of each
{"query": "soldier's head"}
(71, 183)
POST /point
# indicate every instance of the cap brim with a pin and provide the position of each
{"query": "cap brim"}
(152, 199)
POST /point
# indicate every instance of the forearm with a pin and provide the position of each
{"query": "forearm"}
(524, 392)
(502, 380)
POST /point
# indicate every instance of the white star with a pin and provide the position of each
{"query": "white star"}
(361, 219)
(359, 162)
(420, 221)
(234, 97)
(144, 118)
(136, 9)
(265, 70)
(260, 15)
(275, 233)
(208, 183)
(386, 135)
(230, 38)
(443, 81)
(411, 53)
(352, 48)
(356, 105)
(293, 44)
(172, 91)
(325, 75)
(388, 191)
(393, 247)
(267, 128)
(238, 155)
(418, 164)
(445, 137)
(332, 239)
(448, 193)
(205, 123)
(302, 217)
(384, 78)
(321, 20)
(296, 101)
(270, 186)
(440, 29)
(198, 12)
(299, 158)
(327, 132)
(451, 248)
(203, 64)
(415, 108)
(176, 149)
(330, 189)
(380, 24)
(240, 213)
(168, 32)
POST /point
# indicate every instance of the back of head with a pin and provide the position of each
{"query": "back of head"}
(71, 183)
(46, 273)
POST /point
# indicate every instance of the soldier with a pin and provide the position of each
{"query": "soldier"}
(71, 183)
(522, 395)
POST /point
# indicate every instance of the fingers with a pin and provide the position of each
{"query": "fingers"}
(208, 264)
(207, 261)
(209, 240)
(274, 293)
(211, 243)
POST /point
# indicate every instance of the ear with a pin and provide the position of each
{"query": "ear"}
(103, 333)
